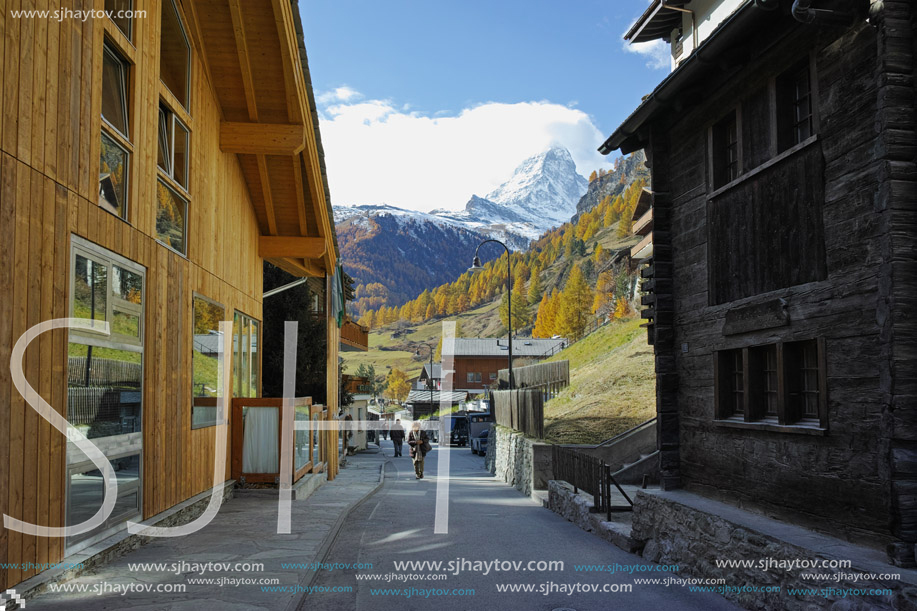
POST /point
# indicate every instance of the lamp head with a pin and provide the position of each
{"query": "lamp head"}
(476, 265)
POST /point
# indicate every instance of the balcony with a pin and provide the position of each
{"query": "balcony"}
(354, 337)
(644, 248)
(644, 224)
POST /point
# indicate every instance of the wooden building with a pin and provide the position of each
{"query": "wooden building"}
(478, 361)
(781, 283)
(150, 164)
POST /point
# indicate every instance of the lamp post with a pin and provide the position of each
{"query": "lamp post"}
(477, 267)
(430, 381)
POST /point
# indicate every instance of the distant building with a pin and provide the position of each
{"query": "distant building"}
(423, 381)
(478, 361)
(426, 402)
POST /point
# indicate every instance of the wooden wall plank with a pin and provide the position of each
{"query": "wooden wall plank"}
(7, 251)
(52, 73)
(39, 91)
(11, 73)
(46, 312)
(26, 61)
(59, 378)
(33, 367)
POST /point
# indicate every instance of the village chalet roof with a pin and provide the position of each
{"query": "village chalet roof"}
(423, 396)
(437, 371)
(496, 347)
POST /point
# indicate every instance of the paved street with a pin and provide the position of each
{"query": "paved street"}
(488, 521)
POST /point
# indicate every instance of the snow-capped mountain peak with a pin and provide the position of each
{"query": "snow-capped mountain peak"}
(543, 190)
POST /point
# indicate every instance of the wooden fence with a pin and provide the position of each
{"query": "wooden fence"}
(103, 372)
(520, 410)
(549, 378)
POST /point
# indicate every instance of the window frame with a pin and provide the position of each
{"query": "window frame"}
(119, 139)
(195, 296)
(789, 415)
(125, 444)
(783, 112)
(237, 362)
(187, 39)
(129, 35)
(718, 157)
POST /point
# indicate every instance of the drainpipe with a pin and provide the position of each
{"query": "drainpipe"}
(803, 12)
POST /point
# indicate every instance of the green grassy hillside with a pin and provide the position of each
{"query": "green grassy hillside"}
(612, 386)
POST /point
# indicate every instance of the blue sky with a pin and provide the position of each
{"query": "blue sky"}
(425, 103)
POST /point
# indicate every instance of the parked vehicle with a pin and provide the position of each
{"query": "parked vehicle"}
(459, 435)
(478, 422)
(479, 443)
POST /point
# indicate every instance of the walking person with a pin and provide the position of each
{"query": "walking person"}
(420, 445)
(383, 429)
(397, 434)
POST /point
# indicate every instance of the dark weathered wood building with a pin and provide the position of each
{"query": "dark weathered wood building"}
(781, 288)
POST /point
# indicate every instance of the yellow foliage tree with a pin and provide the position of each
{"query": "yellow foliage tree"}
(397, 386)
(604, 293)
(575, 305)
(623, 309)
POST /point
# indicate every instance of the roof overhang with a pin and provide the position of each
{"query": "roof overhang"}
(657, 21)
(723, 52)
(255, 60)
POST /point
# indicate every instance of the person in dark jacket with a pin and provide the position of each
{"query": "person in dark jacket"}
(419, 441)
(397, 434)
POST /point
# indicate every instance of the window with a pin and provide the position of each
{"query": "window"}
(777, 384)
(174, 54)
(474, 376)
(205, 361)
(172, 157)
(246, 364)
(114, 162)
(493, 376)
(795, 117)
(105, 380)
(725, 150)
(118, 11)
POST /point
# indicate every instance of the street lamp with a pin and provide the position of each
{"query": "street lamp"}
(477, 267)
(430, 380)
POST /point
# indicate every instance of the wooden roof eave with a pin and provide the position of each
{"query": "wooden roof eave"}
(305, 246)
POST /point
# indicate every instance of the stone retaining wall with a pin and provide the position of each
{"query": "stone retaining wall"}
(518, 460)
(694, 532)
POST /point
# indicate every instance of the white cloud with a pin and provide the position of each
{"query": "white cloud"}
(657, 52)
(379, 152)
(340, 94)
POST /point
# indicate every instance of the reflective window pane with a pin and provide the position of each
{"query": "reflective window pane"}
(180, 154)
(114, 90)
(164, 147)
(127, 285)
(301, 445)
(175, 53)
(205, 361)
(113, 169)
(86, 492)
(90, 289)
(104, 390)
(117, 10)
(124, 323)
(255, 371)
(170, 217)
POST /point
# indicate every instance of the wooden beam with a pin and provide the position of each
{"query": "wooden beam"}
(262, 138)
(266, 194)
(294, 84)
(238, 28)
(297, 267)
(283, 246)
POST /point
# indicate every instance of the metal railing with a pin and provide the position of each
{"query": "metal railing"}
(590, 474)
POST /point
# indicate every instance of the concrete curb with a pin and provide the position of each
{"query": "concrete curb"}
(296, 604)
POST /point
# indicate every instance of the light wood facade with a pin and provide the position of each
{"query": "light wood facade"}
(254, 188)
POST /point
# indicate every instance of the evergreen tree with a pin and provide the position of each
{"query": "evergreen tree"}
(535, 289)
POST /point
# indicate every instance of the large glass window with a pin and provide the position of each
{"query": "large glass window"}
(205, 386)
(105, 381)
(114, 162)
(246, 362)
(174, 53)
